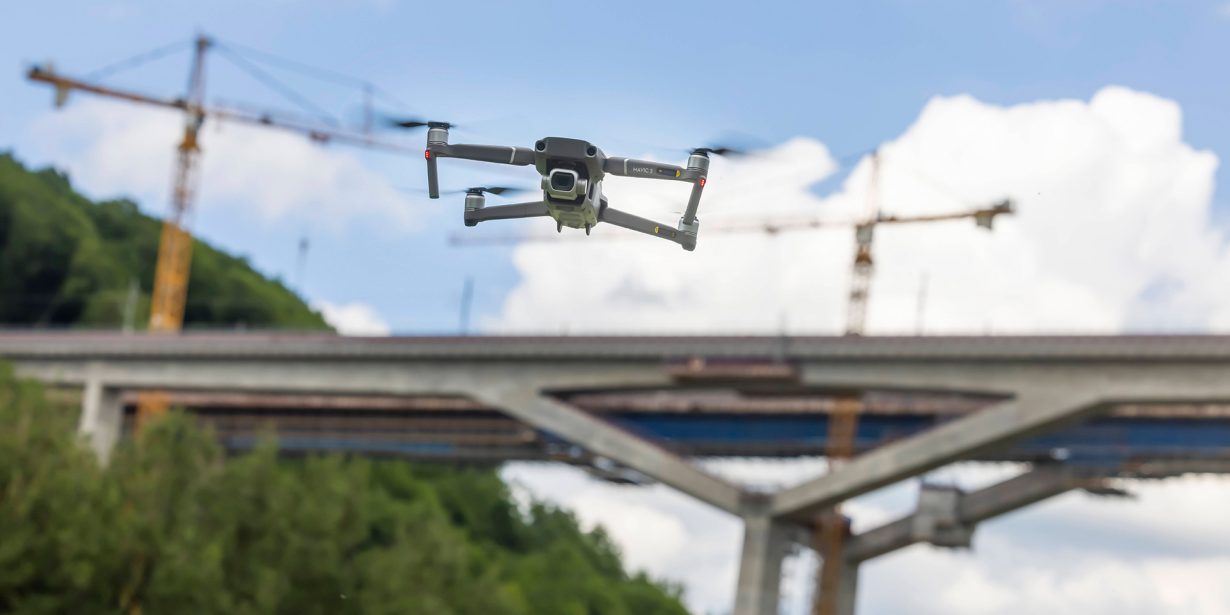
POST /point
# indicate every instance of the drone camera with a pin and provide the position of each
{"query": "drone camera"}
(563, 184)
(563, 180)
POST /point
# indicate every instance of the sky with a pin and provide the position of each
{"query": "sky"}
(1105, 123)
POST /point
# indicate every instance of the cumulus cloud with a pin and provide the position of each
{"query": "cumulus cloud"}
(353, 318)
(111, 148)
(658, 530)
(1014, 572)
(1112, 233)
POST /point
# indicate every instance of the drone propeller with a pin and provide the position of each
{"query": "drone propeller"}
(409, 123)
(496, 190)
(720, 150)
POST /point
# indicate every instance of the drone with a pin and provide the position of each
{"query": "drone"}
(572, 171)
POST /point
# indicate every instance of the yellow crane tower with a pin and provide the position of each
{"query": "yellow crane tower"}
(831, 526)
(170, 289)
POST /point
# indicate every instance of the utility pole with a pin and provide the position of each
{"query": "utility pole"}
(301, 262)
(467, 297)
(130, 305)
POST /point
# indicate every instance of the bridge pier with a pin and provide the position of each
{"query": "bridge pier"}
(765, 543)
(847, 586)
(102, 418)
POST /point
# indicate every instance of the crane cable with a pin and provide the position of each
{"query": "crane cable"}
(269, 81)
(137, 60)
(315, 72)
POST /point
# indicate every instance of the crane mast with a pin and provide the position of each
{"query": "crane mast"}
(860, 276)
(170, 292)
(175, 248)
(831, 525)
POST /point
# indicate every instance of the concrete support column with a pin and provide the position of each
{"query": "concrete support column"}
(765, 543)
(102, 418)
(847, 586)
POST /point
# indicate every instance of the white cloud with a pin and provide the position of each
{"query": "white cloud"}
(658, 530)
(353, 318)
(112, 148)
(1112, 233)
(1007, 573)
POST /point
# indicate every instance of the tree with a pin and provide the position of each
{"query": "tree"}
(175, 525)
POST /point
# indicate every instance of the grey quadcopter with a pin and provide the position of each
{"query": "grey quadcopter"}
(572, 171)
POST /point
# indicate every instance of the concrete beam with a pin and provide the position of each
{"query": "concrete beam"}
(102, 418)
(971, 508)
(765, 543)
(1031, 413)
(603, 438)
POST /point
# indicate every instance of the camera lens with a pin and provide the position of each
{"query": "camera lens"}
(563, 181)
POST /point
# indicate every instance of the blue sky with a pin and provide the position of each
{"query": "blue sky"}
(634, 77)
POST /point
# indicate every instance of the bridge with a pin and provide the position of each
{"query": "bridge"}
(1078, 410)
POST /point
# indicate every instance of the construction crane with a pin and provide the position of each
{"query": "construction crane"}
(831, 526)
(169, 295)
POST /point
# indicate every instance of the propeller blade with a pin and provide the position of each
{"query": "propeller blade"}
(410, 123)
(720, 150)
(503, 190)
(496, 190)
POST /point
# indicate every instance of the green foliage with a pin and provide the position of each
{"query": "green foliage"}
(172, 525)
(65, 261)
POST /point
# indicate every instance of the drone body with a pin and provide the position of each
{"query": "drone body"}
(572, 171)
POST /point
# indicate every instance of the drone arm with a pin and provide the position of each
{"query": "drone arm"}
(433, 176)
(698, 166)
(506, 212)
(631, 167)
(623, 219)
(438, 147)
(498, 154)
(689, 214)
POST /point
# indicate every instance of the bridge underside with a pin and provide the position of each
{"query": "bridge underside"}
(1077, 410)
(721, 423)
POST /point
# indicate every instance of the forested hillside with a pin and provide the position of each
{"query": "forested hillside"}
(172, 525)
(65, 261)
